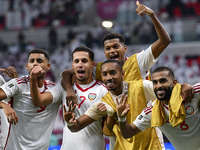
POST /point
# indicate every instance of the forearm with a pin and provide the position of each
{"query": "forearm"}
(81, 123)
(66, 81)
(35, 93)
(110, 121)
(127, 130)
(160, 30)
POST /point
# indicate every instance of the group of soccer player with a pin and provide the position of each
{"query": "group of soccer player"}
(114, 98)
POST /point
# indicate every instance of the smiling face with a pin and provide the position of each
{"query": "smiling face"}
(163, 84)
(113, 49)
(82, 65)
(37, 59)
(112, 77)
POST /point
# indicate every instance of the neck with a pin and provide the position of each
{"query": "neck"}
(85, 81)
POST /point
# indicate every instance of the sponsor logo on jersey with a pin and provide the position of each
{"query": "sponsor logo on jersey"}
(92, 96)
(10, 85)
(189, 110)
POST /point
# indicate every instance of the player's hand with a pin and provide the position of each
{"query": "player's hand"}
(187, 92)
(10, 71)
(36, 71)
(71, 97)
(10, 114)
(69, 116)
(122, 107)
(101, 107)
(142, 9)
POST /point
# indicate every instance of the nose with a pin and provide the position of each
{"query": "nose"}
(35, 63)
(108, 77)
(159, 85)
(112, 50)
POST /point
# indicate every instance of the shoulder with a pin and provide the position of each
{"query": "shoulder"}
(196, 88)
(148, 109)
(23, 79)
(50, 83)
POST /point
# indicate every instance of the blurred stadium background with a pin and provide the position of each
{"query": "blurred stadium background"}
(58, 26)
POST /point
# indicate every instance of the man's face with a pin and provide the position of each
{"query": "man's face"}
(37, 59)
(112, 77)
(82, 65)
(113, 49)
(163, 85)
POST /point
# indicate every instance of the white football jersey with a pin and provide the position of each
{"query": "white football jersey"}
(4, 125)
(183, 137)
(35, 124)
(91, 137)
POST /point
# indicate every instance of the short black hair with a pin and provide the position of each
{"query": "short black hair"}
(162, 68)
(110, 36)
(113, 61)
(39, 51)
(85, 49)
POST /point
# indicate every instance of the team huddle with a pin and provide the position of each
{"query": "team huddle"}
(118, 98)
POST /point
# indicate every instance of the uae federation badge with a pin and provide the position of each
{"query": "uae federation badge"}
(92, 96)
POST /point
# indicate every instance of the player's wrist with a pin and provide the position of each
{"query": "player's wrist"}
(121, 119)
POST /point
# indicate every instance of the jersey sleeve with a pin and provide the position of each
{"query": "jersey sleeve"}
(143, 120)
(95, 114)
(11, 88)
(2, 81)
(196, 88)
(56, 92)
(148, 89)
(103, 90)
(145, 61)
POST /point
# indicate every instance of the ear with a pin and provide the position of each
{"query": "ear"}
(48, 66)
(174, 82)
(93, 64)
(26, 66)
(125, 48)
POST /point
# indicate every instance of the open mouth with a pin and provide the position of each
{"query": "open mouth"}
(81, 73)
(114, 56)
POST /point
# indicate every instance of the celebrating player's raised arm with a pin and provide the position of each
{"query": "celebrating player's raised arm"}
(38, 99)
(163, 37)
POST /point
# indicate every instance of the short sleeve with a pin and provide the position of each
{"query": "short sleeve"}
(148, 89)
(56, 92)
(11, 88)
(143, 121)
(145, 61)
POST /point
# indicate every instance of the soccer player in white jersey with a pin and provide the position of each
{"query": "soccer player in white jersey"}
(184, 135)
(35, 124)
(88, 91)
(4, 124)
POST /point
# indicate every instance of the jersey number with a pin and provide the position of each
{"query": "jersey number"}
(82, 100)
(184, 126)
(42, 108)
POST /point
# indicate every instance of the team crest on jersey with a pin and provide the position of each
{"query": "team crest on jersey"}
(10, 85)
(92, 96)
(189, 110)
